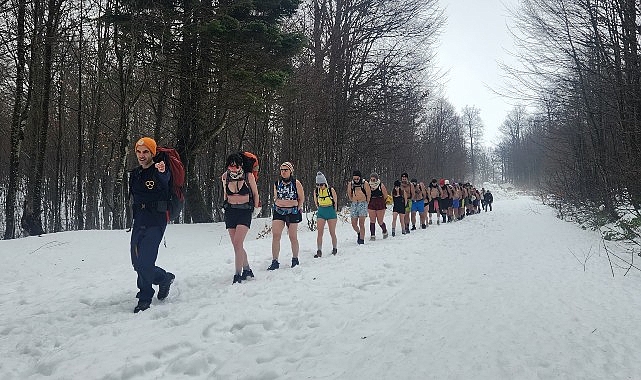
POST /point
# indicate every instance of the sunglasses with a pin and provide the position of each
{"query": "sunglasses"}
(284, 169)
(320, 184)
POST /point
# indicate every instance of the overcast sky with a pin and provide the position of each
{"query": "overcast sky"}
(473, 43)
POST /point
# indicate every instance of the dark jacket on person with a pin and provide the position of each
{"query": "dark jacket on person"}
(149, 190)
(487, 197)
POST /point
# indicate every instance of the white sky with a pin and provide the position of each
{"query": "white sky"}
(510, 294)
(474, 41)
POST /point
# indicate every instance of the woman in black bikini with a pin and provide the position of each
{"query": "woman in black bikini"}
(241, 197)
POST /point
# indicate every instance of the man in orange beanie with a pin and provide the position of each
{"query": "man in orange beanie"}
(149, 189)
(149, 143)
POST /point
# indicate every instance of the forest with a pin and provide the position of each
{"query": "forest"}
(330, 85)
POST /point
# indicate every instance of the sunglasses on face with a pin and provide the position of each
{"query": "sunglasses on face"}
(284, 169)
(320, 184)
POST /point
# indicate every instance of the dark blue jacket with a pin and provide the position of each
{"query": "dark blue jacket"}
(149, 191)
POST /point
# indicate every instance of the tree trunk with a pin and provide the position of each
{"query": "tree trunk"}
(79, 213)
(17, 125)
(32, 216)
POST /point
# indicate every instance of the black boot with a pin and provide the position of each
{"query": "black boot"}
(163, 289)
(275, 265)
(246, 274)
(142, 305)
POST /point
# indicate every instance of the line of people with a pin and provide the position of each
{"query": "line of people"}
(149, 186)
(368, 198)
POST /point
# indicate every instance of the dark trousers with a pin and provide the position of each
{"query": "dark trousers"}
(144, 251)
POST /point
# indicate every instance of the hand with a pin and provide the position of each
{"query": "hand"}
(160, 166)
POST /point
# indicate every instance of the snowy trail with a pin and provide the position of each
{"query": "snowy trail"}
(496, 296)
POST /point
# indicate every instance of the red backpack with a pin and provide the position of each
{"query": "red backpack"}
(250, 164)
(177, 181)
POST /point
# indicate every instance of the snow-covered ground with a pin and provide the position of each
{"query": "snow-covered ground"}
(509, 294)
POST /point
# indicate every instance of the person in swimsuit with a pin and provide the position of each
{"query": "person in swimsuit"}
(359, 193)
(240, 198)
(376, 206)
(326, 206)
(289, 198)
(399, 199)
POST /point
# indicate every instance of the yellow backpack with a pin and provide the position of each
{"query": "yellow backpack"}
(329, 195)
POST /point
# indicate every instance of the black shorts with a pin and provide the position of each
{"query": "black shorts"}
(289, 218)
(444, 204)
(432, 206)
(399, 208)
(237, 216)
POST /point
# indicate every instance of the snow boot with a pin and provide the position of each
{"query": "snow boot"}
(237, 279)
(318, 254)
(295, 261)
(334, 251)
(142, 305)
(246, 274)
(163, 289)
(275, 265)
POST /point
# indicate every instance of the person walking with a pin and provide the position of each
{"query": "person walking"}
(359, 193)
(418, 203)
(399, 199)
(376, 206)
(433, 196)
(489, 198)
(149, 189)
(406, 186)
(240, 195)
(326, 206)
(289, 198)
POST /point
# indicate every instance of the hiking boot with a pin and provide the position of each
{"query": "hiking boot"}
(360, 241)
(237, 279)
(246, 274)
(413, 227)
(318, 254)
(142, 305)
(275, 265)
(295, 261)
(334, 251)
(423, 226)
(372, 237)
(393, 233)
(385, 235)
(163, 289)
